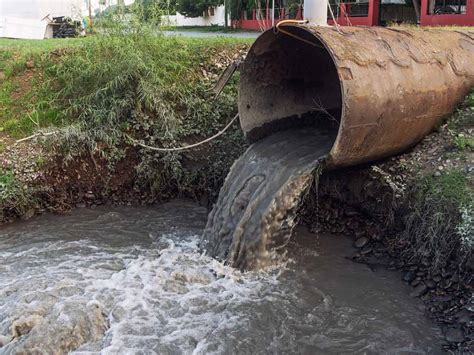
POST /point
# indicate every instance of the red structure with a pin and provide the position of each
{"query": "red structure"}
(261, 19)
(373, 13)
(356, 14)
(447, 12)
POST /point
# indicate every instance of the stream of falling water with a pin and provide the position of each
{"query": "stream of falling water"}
(251, 223)
(132, 281)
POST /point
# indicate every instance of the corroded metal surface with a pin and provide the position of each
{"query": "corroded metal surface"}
(396, 84)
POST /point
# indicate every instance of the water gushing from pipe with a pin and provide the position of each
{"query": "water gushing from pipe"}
(252, 220)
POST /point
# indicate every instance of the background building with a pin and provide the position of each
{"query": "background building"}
(30, 18)
(367, 13)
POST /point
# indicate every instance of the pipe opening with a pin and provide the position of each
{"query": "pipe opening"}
(289, 80)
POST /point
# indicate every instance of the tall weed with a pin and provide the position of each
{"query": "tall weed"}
(131, 80)
(436, 226)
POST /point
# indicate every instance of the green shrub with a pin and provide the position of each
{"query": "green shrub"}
(157, 89)
(129, 80)
(469, 102)
(14, 198)
(434, 230)
(464, 143)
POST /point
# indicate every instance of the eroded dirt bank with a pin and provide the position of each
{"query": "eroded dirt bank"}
(79, 158)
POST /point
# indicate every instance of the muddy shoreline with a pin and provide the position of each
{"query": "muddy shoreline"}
(373, 204)
(446, 294)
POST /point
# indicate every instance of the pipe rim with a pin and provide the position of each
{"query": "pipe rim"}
(307, 28)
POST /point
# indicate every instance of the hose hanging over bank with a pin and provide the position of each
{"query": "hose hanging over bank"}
(207, 140)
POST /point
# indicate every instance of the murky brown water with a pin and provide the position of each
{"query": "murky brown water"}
(251, 223)
(132, 281)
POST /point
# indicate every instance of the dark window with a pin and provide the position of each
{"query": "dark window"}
(334, 4)
(247, 15)
(353, 8)
(261, 14)
(357, 9)
(446, 7)
(277, 13)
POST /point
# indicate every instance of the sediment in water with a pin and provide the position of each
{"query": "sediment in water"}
(137, 274)
(252, 220)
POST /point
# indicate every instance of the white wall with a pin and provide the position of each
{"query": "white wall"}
(24, 18)
(37, 9)
(181, 20)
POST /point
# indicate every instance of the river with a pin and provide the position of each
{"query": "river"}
(132, 281)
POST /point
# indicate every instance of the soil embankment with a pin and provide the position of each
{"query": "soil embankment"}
(63, 136)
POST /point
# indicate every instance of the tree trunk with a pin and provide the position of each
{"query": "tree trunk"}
(226, 13)
(416, 5)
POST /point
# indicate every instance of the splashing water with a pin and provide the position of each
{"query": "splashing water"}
(132, 281)
(252, 220)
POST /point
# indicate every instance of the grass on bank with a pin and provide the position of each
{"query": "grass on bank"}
(15, 199)
(29, 99)
(436, 228)
(207, 29)
(464, 142)
(440, 224)
(33, 45)
(23, 106)
(464, 118)
(154, 88)
(15, 53)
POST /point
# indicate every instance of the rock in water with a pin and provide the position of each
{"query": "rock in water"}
(252, 220)
(409, 276)
(464, 316)
(454, 335)
(419, 290)
(361, 242)
(64, 329)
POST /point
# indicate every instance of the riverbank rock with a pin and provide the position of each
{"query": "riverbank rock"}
(419, 290)
(381, 202)
(454, 335)
(465, 316)
(361, 242)
(4, 340)
(66, 328)
(409, 276)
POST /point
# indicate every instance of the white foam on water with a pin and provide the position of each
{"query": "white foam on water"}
(127, 282)
(175, 297)
(167, 296)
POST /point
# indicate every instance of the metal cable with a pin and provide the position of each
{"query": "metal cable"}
(296, 22)
(222, 131)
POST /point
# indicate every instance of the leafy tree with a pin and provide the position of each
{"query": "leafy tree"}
(236, 7)
(195, 8)
(152, 9)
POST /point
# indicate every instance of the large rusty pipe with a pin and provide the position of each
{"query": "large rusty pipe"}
(385, 87)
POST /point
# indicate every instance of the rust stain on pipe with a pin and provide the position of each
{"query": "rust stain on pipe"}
(386, 88)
